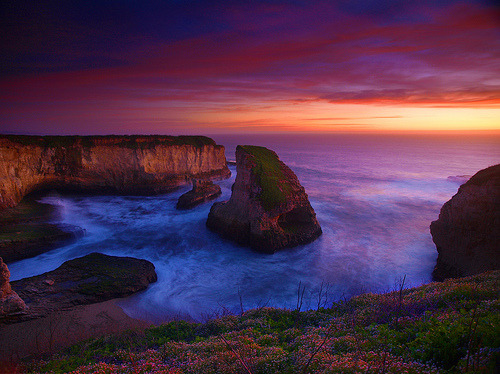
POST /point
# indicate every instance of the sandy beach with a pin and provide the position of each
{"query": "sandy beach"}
(61, 329)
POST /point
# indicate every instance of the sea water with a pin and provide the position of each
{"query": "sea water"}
(374, 195)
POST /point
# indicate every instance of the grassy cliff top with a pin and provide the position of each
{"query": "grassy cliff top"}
(274, 183)
(129, 141)
(449, 327)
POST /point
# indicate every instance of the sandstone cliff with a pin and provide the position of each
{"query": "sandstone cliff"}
(268, 208)
(116, 164)
(467, 233)
(10, 302)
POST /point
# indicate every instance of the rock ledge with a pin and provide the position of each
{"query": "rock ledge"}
(86, 280)
(202, 191)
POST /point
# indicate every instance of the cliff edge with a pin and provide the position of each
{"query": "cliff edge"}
(467, 232)
(111, 164)
(268, 208)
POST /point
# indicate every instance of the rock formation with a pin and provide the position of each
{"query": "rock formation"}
(24, 231)
(202, 191)
(268, 208)
(115, 164)
(10, 302)
(467, 233)
(29, 240)
(85, 280)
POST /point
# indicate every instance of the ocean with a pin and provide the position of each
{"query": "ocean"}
(374, 195)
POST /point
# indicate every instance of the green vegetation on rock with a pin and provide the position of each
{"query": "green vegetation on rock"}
(273, 182)
(28, 210)
(103, 274)
(129, 141)
(450, 327)
(25, 233)
(29, 232)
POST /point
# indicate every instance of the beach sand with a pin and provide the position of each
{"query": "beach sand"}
(62, 329)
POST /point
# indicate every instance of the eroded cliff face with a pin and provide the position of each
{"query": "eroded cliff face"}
(10, 302)
(467, 233)
(268, 208)
(120, 164)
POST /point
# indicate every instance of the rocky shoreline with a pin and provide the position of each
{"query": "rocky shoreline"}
(26, 231)
(268, 211)
(85, 280)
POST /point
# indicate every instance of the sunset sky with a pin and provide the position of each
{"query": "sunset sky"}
(207, 67)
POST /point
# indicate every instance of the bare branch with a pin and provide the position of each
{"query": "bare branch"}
(236, 354)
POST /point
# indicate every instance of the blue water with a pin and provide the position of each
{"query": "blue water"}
(374, 197)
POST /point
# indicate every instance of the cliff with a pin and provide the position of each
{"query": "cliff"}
(115, 164)
(10, 302)
(467, 232)
(268, 208)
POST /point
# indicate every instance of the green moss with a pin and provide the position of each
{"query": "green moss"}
(28, 232)
(196, 141)
(171, 331)
(104, 274)
(24, 232)
(269, 169)
(48, 141)
(28, 210)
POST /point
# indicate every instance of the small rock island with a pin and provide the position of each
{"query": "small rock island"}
(201, 192)
(467, 232)
(268, 208)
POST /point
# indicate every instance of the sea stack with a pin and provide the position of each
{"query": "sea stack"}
(268, 209)
(467, 233)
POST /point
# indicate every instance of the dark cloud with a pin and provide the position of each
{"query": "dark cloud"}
(240, 53)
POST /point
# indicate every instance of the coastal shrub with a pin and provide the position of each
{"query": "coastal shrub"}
(172, 331)
(443, 328)
(446, 338)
